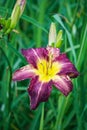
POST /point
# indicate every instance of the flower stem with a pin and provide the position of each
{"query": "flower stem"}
(62, 104)
(42, 118)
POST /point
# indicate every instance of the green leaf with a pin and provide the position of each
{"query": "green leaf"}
(57, 18)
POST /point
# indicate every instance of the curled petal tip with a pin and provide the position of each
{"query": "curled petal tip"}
(67, 67)
(63, 83)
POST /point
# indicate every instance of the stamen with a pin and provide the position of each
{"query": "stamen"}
(50, 61)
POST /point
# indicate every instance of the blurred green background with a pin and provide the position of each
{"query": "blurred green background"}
(59, 112)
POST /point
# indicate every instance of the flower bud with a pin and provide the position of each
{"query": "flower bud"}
(59, 39)
(52, 35)
(17, 12)
(54, 39)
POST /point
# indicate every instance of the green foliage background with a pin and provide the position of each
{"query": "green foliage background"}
(59, 112)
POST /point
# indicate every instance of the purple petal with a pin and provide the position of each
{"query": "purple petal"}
(54, 52)
(34, 55)
(63, 83)
(39, 92)
(67, 68)
(23, 73)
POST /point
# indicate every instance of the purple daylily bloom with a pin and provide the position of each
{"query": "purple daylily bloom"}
(47, 67)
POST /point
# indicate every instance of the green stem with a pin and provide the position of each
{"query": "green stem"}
(61, 107)
(62, 104)
(42, 118)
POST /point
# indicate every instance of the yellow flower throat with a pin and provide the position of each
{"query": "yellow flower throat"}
(47, 70)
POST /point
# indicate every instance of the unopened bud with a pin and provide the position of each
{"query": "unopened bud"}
(54, 39)
(17, 12)
(52, 35)
(59, 39)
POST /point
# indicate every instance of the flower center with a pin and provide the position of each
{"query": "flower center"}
(47, 70)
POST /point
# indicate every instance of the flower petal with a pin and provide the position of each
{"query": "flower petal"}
(23, 73)
(54, 52)
(39, 92)
(33, 55)
(67, 67)
(63, 83)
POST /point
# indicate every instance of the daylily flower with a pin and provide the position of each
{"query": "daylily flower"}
(47, 67)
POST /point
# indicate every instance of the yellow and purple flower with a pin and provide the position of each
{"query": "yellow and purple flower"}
(47, 67)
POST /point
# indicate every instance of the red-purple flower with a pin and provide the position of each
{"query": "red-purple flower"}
(47, 67)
